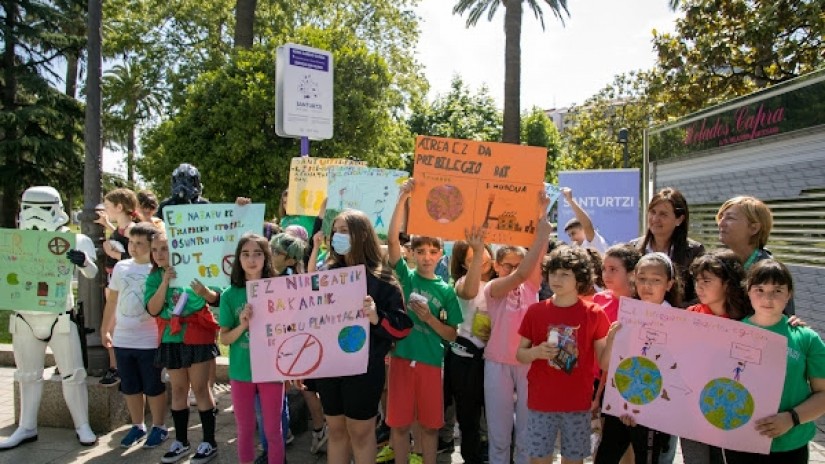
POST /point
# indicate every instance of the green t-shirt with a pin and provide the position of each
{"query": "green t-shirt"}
(806, 360)
(423, 344)
(193, 304)
(233, 300)
(307, 222)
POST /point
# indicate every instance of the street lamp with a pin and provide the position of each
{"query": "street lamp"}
(622, 139)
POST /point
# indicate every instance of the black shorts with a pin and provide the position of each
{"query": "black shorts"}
(138, 372)
(356, 396)
(182, 356)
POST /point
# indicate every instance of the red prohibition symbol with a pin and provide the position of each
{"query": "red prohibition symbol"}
(299, 355)
(226, 265)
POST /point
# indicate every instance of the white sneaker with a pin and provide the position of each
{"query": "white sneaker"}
(319, 439)
(192, 400)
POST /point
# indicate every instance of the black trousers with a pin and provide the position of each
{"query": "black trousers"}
(616, 437)
(466, 383)
(797, 456)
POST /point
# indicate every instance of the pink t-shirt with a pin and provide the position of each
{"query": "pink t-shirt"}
(506, 314)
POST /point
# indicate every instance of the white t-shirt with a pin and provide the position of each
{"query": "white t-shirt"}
(469, 308)
(598, 243)
(134, 327)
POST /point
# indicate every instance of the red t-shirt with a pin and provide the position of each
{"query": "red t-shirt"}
(609, 303)
(553, 390)
(705, 309)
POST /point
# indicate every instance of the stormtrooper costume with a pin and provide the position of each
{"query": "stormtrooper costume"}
(42, 209)
(186, 188)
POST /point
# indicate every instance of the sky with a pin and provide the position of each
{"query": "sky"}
(559, 66)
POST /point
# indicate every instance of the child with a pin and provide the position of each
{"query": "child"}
(560, 339)
(253, 261)
(351, 402)
(507, 298)
(134, 335)
(655, 281)
(770, 287)
(415, 385)
(187, 349)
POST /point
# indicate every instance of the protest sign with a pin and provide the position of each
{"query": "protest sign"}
(371, 190)
(308, 183)
(36, 274)
(462, 183)
(309, 326)
(718, 392)
(203, 238)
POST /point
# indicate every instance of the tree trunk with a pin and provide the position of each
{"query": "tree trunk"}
(11, 193)
(245, 23)
(512, 71)
(130, 158)
(72, 60)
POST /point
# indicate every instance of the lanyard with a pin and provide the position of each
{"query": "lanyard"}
(752, 258)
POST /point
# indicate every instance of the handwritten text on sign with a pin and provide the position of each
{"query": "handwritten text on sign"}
(718, 392)
(461, 183)
(36, 275)
(308, 183)
(309, 325)
(203, 238)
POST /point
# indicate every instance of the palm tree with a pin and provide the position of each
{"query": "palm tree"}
(512, 48)
(129, 100)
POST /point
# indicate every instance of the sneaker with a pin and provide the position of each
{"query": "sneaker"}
(177, 451)
(205, 453)
(192, 400)
(262, 459)
(134, 436)
(156, 436)
(382, 434)
(289, 437)
(445, 446)
(109, 377)
(385, 455)
(319, 439)
(415, 458)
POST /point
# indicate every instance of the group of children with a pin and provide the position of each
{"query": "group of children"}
(535, 369)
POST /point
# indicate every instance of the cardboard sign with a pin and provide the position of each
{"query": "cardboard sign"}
(656, 374)
(371, 190)
(203, 239)
(309, 326)
(461, 183)
(36, 274)
(308, 183)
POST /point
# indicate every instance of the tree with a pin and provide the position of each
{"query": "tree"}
(227, 122)
(537, 130)
(245, 23)
(131, 97)
(35, 119)
(512, 47)
(722, 49)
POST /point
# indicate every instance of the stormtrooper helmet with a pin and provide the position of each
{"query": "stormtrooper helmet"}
(42, 209)
(186, 183)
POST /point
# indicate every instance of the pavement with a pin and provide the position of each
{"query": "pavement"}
(60, 446)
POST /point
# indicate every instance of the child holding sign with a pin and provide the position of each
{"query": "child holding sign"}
(253, 261)
(770, 287)
(351, 403)
(187, 348)
(415, 392)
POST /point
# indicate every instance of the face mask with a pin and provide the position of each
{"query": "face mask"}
(340, 243)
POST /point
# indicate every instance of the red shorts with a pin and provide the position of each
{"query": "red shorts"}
(415, 394)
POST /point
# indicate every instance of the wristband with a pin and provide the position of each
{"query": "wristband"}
(794, 417)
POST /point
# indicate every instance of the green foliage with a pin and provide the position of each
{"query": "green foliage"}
(226, 126)
(538, 130)
(458, 114)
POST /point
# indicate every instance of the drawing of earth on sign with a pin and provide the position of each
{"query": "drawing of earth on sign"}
(445, 203)
(726, 403)
(352, 338)
(299, 355)
(638, 380)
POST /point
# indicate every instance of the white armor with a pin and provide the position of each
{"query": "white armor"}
(42, 209)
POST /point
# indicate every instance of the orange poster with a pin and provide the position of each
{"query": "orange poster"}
(460, 183)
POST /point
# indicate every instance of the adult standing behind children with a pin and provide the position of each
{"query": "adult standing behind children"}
(745, 224)
(508, 296)
(667, 232)
(415, 390)
(133, 334)
(351, 402)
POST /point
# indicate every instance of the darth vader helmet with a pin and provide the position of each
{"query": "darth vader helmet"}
(42, 209)
(186, 183)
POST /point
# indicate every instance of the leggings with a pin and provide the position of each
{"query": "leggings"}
(243, 400)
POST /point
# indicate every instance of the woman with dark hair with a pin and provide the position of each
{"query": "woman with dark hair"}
(667, 232)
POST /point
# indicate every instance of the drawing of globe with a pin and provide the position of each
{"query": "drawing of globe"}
(726, 403)
(638, 380)
(445, 203)
(352, 338)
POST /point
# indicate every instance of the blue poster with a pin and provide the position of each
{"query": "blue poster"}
(611, 199)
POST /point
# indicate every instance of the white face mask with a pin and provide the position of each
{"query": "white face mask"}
(341, 243)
